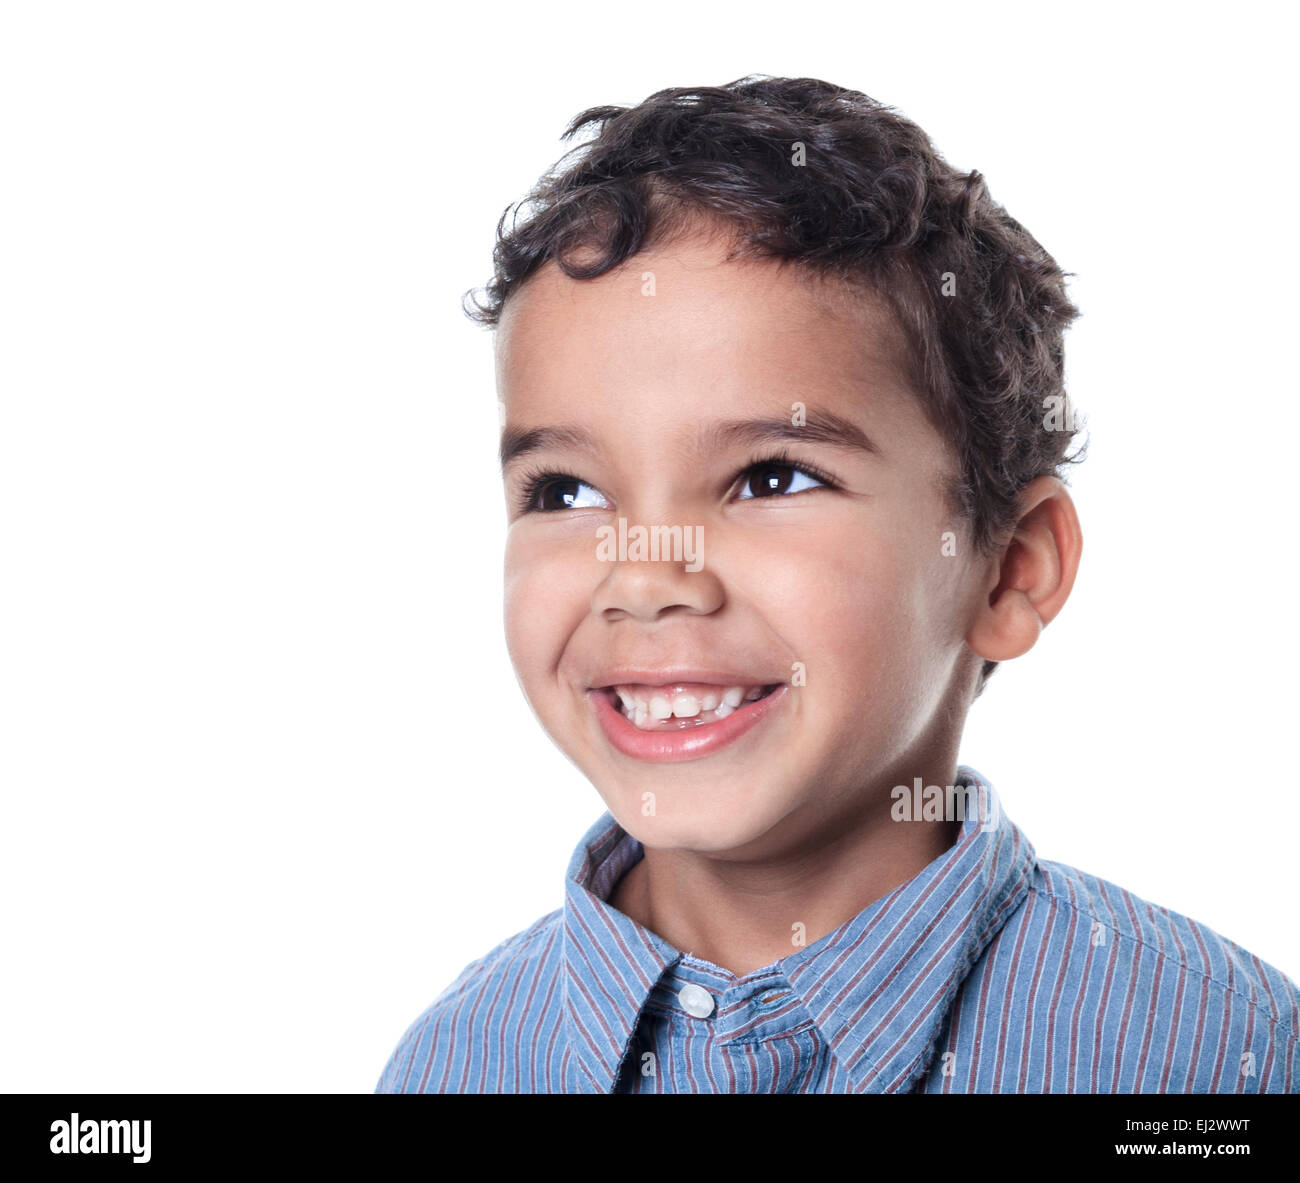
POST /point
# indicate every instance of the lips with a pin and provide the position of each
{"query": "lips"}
(698, 732)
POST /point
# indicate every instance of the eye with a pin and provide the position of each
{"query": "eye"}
(775, 478)
(549, 492)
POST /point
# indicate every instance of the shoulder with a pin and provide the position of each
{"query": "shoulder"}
(1169, 941)
(1180, 1007)
(478, 1034)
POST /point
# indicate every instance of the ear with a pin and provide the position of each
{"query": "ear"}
(1033, 575)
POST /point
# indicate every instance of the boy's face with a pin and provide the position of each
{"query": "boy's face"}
(846, 590)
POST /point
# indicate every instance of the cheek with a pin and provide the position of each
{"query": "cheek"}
(862, 609)
(543, 601)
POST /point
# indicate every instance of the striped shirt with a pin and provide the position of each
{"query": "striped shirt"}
(989, 971)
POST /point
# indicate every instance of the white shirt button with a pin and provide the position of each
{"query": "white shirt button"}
(696, 1000)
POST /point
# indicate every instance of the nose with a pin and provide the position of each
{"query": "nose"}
(647, 590)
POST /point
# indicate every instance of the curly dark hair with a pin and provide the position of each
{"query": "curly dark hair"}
(839, 184)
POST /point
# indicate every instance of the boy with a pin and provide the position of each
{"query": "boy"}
(784, 421)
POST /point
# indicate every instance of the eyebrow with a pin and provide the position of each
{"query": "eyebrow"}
(820, 427)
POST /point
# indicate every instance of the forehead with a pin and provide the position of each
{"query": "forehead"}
(681, 334)
(686, 307)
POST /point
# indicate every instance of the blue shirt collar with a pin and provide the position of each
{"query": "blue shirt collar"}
(878, 988)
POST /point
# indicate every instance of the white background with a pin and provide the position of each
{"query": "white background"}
(268, 781)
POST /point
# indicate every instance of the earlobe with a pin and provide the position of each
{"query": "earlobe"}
(1033, 576)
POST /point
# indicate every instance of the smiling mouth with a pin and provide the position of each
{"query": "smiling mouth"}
(683, 706)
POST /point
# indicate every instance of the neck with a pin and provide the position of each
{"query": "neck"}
(745, 914)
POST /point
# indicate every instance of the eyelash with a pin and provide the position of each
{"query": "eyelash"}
(535, 480)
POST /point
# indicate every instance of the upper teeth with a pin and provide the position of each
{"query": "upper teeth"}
(651, 704)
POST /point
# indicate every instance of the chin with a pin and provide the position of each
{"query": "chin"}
(680, 824)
